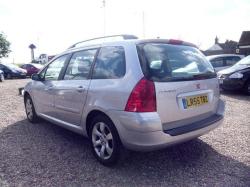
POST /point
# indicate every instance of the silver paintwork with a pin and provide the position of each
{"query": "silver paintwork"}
(68, 103)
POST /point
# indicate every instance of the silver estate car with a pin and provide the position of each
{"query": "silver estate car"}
(123, 92)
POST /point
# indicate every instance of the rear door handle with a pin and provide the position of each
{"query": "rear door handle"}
(80, 89)
(48, 88)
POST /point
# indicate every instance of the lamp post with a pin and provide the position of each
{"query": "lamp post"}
(104, 17)
(143, 24)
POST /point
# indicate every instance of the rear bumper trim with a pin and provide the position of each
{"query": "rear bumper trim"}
(194, 126)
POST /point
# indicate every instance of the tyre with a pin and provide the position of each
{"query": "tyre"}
(30, 110)
(247, 88)
(1, 78)
(9, 76)
(105, 141)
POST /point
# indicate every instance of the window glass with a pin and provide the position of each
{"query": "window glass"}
(79, 65)
(110, 63)
(166, 62)
(54, 69)
(232, 60)
(244, 61)
(217, 62)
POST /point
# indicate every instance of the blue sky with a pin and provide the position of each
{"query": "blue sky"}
(54, 25)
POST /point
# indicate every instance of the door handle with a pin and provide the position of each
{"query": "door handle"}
(80, 89)
(48, 88)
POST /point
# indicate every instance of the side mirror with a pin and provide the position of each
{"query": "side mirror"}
(36, 77)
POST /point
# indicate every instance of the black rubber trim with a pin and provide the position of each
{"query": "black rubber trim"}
(194, 126)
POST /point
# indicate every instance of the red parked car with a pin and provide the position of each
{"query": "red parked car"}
(32, 68)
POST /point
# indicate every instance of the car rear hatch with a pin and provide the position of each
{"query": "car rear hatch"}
(185, 82)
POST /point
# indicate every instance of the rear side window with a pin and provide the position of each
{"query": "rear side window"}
(217, 62)
(231, 60)
(165, 62)
(110, 63)
(80, 64)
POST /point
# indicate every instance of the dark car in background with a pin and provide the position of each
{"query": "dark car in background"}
(1, 76)
(224, 61)
(12, 71)
(236, 77)
(32, 68)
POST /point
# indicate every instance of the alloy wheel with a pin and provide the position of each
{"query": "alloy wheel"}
(1, 78)
(102, 140)
(8, 76)
(29, 109)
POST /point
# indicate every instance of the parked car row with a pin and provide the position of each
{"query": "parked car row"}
(10, 71)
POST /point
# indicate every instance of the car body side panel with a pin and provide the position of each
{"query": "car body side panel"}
(70, 97)
(112, 94)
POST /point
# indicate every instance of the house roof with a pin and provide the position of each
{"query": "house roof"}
(229, 44)
(214, 47)
(245, 38)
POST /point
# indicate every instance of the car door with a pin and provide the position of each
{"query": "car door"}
(71, 91)
(43, 92)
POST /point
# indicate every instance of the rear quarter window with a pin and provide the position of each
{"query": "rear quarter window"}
(217, 62)
(232, 60)
(110, 63)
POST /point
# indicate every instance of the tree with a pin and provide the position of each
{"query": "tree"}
(4, 46)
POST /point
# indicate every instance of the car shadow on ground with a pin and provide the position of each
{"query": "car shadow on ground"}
(44, 154)
(236, 94)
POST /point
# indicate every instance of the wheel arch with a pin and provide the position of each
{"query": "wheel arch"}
(26, 94)
(91, 116)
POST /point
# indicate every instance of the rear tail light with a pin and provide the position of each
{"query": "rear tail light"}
(142, 97)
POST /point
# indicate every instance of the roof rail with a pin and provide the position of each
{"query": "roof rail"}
(124, 36)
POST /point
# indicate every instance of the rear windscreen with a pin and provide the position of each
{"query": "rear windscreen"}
(166, 62)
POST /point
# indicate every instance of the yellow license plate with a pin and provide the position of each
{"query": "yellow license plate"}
(194, 101)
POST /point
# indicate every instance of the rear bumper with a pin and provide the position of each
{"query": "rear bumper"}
(144, 131)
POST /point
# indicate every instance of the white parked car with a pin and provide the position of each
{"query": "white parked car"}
(223, 61)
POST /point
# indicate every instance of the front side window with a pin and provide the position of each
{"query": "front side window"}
(54, 69)
(166, 62)
(80, 64)
(110, 63)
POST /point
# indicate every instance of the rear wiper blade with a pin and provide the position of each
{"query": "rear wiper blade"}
(205, 75)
